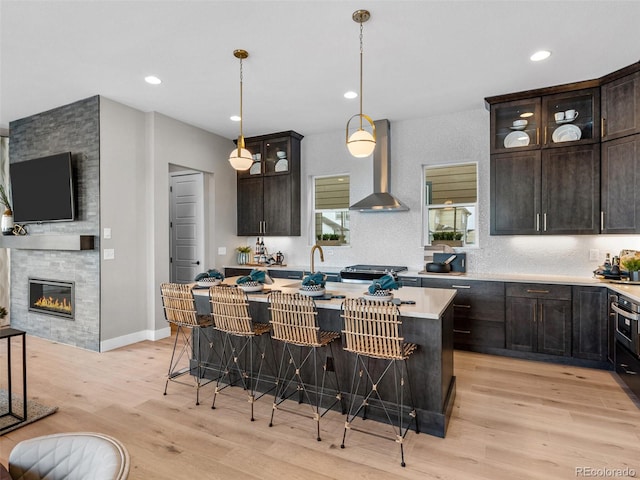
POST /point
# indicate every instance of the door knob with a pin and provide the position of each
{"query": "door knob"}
(195, 263)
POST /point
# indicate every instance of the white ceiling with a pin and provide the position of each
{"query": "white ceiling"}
(421, 58)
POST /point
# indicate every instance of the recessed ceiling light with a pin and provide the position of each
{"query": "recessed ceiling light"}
(153, 80)
(235, 118)
(350, 94)
(540, 55)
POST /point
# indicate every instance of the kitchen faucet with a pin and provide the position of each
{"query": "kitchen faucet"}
(313, 249)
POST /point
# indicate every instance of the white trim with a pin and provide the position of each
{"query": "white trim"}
(136, 337)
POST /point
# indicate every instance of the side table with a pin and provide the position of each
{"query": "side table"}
(10, 333)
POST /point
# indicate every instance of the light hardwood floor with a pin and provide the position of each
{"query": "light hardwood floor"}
(512, 419)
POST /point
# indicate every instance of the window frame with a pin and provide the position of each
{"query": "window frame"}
(427, 207)
(314, 210)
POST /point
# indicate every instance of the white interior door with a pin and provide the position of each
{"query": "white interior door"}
(187, 226)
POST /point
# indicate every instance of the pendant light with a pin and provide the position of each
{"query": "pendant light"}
(240, 158)
(361, 143)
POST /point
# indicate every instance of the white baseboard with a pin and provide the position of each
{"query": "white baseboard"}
(136, 337)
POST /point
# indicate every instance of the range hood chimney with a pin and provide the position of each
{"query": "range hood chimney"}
(381, 200)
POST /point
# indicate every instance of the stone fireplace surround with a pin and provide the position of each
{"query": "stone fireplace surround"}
(73, 128)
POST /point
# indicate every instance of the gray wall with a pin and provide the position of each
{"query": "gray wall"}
(73, 128)
(138, 150)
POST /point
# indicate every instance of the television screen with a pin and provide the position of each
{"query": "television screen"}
(42, 189)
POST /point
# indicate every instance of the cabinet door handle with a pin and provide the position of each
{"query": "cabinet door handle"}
(535, 313)
(545, 135)
(460, 286)
(461, 306)
(537, 135)
(466, 332)
(544, 221)
(537, 222)
(602, 220)
(602, 125)
(530, 290)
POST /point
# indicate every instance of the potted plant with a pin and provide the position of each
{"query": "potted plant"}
(7, 216)
(243, 254)
(453, 239)
(329, 239)
(631, 263)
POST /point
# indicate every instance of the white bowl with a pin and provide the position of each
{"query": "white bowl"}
(209, 282)
(379, 296)
(281, 154)
(520, 123)
(312, 290)
(251, 286)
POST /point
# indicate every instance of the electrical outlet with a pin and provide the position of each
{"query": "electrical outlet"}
(594, 254)
(222, 250)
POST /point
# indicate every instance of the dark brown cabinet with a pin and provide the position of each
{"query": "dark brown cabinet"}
(269, 192)
(554, 191)
(478, 312)
(621, 107)
(619, 193)
(590, 335)
(538, 318)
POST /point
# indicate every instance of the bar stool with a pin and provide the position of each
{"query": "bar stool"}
(372, 330)
(180, 310)
(294, 323)
(230, 308)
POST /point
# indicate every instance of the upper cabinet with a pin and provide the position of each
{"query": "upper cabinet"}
(269, 191)
(545, 121)
(566, 159)
(621, 107)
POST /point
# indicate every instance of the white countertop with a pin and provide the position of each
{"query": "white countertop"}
(430, 302)
(632, 291)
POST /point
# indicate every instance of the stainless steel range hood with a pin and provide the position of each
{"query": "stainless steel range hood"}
(381, 200)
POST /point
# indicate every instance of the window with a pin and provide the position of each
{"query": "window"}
(450, 204)
(331, 208)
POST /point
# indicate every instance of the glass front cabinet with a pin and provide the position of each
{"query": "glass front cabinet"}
(555, 120)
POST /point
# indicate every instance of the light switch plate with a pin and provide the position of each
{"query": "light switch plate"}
(106, 232)
(222, 250)
(109, 253)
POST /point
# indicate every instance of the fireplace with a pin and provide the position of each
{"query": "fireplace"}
(51, 297)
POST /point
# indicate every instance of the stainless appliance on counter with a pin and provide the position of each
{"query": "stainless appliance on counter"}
(367, 273)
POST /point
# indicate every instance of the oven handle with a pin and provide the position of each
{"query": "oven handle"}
(624, 313)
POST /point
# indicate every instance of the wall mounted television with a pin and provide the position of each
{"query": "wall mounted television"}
(42, 189)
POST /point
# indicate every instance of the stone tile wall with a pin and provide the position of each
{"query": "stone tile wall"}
(74, 128)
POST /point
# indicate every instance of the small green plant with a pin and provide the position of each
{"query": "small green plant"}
(447, 235)
(4, 200)
(3, 312)
(243, 249)
(631, 263)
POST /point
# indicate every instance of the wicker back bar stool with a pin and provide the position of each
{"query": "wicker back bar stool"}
(372, 330)
(294, 323)
(231, 316)
(180, 310)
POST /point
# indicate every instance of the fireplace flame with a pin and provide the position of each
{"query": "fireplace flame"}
(54, 304)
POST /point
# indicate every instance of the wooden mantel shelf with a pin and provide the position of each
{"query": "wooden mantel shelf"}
(48, 242)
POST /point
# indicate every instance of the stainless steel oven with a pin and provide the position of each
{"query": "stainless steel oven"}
(626, 315)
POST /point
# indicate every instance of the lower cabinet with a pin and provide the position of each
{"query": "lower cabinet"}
(538, 318)
(590, 332)
(478, 310)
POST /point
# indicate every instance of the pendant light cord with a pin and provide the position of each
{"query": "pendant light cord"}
(361, 55)
(241, 139)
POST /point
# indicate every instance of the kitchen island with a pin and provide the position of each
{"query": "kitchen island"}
(428, 323)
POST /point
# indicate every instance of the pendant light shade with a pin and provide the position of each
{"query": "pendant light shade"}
(361, 143)
(240, 158)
